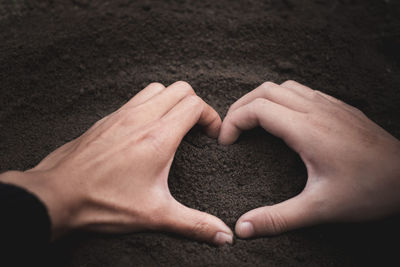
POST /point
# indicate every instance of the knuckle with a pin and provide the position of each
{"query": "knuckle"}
(200, 228)
(99, 122)
(358, 111)
(274, 222)
(156, 85)
(328, 97)
(361, 113)
(185, 87)
(268, 85)
(289, 83)
(183, 83)
(315, 94)
(117, 115)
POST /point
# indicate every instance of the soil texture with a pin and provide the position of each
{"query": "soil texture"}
(65, 64)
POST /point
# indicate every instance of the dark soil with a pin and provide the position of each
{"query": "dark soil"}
(65, 64)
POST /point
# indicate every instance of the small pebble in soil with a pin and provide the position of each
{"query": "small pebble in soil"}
(284, 66)
(209, 64)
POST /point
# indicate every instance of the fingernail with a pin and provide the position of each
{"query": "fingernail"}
(245, 229)
(222, 238)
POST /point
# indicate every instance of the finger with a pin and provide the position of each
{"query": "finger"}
(330, 98)
(274, 93)
(160, 104)
(150, 91)
(197, 224)
(191, 110)
(299, 88)
(310, 93)
(276, 119)
(318, 95)
(340, 102)
(272, 220)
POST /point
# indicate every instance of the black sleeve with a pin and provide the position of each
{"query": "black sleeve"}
(24, 222)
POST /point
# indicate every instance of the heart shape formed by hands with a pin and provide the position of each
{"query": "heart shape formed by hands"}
(114, 178)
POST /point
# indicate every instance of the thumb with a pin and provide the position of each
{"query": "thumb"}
(294, 213)
(197, 224)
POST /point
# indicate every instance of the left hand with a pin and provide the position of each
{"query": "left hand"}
(114, 178)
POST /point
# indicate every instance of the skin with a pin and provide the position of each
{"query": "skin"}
(353, 164)
(114, 178)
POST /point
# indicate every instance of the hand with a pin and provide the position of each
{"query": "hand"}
(353, 164)
(113, 178)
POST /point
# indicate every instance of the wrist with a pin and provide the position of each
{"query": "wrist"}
(45, 188)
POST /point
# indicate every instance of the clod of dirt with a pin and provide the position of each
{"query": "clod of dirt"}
(285, 66)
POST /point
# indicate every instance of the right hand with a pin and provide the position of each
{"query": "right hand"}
(353, 164)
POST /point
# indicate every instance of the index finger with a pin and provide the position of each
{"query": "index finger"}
(274, 118)
(190, 111)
